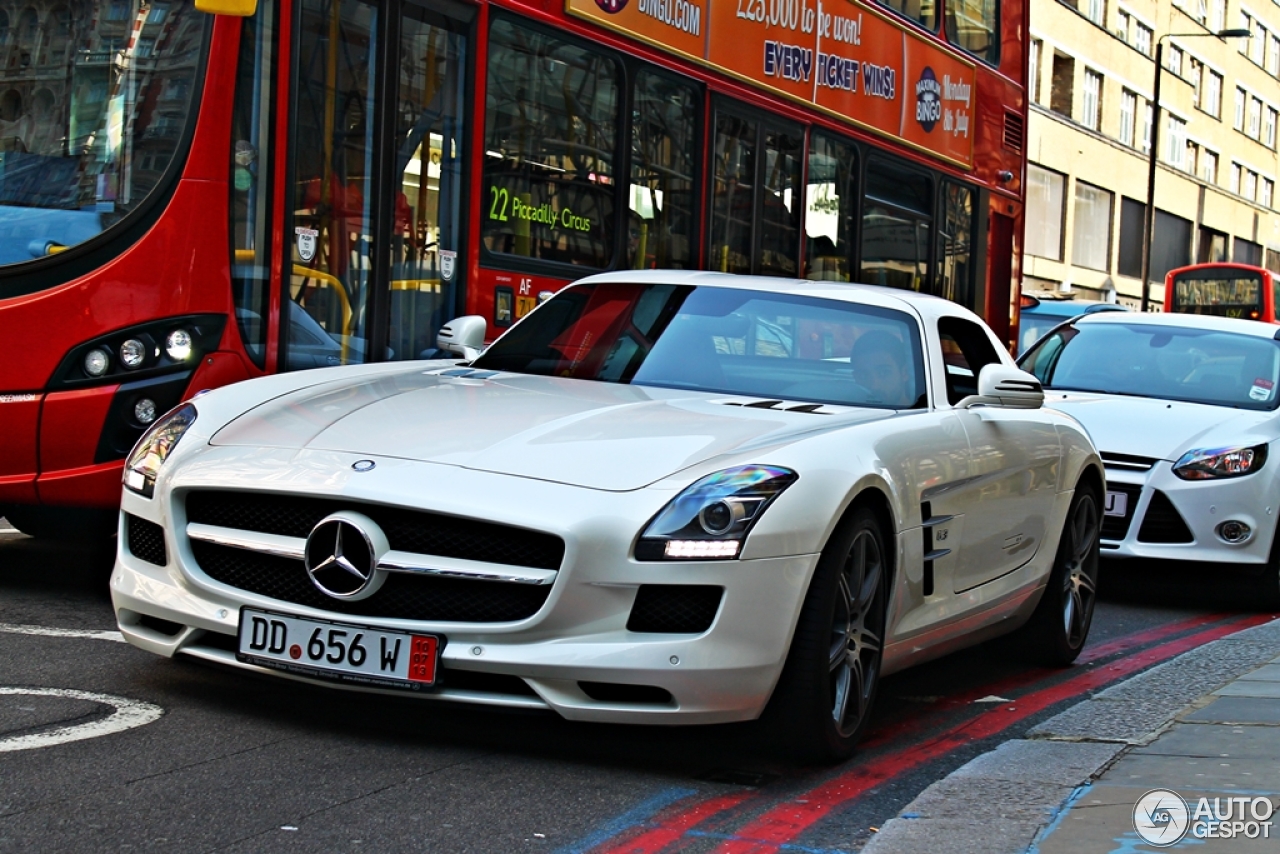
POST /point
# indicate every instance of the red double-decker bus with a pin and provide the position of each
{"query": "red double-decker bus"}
(191, 199)
(1223, 289)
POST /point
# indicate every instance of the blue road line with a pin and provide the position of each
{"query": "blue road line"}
(1058, 816)
(634, 817)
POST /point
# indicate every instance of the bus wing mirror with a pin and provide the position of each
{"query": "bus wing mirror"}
(463, 336)
(239, 8)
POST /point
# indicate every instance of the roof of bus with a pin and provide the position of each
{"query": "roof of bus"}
(1204, 322)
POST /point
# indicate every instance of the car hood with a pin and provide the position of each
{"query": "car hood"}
(591, 434)
(1148, 427)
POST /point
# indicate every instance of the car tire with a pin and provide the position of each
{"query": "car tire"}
(1059, 626)
(63, 523)
(823, 700)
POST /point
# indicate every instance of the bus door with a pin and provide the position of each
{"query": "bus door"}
(374, 226)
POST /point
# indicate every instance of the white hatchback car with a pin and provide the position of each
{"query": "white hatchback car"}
(1184, 410)
(662, 497)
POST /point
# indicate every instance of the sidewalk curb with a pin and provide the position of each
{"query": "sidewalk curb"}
(1009, 799)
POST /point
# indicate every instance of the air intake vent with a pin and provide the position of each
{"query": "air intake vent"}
(1015, 131)
(145, 540)
(1163, 522)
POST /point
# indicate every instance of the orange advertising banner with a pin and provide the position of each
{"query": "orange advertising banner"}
(842, 56)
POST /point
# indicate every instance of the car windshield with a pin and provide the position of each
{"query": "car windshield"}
(1170, 363)
(764, 345)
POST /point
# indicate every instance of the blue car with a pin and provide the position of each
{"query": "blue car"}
(1038, 316)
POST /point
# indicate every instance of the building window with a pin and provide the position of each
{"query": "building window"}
(1064, 70)
(1255, 118)
(1269, 128)
(1258, 44)
(1033, 71)
(1212, 100)
(1123, 20)
(1217, 14)
(1173, 60)
(1044, 212)
(1096, 11)
(1234, 185)
(1092, 99)
(1191, 158)
(1142, 38)
(1146, 128)
(1209, 166)
(1246, 23)
(1273, 56)
(1201, 12)
(1266, 191)
(1196, 77)
(1177, 142)
(1091, 235)
(1129, 257)
(1128, 109)
(1250, 189)
(1238, 121)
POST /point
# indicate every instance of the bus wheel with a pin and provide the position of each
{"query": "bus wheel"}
(63, 523)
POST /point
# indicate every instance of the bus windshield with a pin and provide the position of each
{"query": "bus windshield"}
(92, 110)
(1224, 293)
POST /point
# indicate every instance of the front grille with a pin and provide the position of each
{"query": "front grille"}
(1115, 527)
(1163, 523)
(674, 608)
(145, 540)
(403, 595)
(414, 531)
(1128, 462)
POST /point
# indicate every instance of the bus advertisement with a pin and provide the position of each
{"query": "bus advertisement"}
(190, 199)
(1222, 289)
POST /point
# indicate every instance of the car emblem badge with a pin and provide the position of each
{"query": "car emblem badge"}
(342, 555)
(363, 465)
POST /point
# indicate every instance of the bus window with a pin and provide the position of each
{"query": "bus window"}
(975, 25)
(831, 207)
(550, 139)
(755, 217)
(923, 12)
(92, 111)
(955, 245)
(895, 227)
(664, 147)
(1220, 290)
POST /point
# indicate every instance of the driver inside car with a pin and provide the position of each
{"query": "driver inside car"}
(879, 361)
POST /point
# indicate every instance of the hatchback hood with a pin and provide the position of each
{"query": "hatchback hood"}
(1146, 427)
(591, 434)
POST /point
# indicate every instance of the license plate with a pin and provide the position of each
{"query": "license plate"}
(341, 651)
(1117, 504)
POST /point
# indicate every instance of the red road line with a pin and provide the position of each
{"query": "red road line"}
(658, 838)
(787, 821)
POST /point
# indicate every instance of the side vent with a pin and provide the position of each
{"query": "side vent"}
(930, 553)
(1015, 131)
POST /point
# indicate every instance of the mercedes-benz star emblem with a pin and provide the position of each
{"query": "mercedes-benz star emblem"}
(342, 556)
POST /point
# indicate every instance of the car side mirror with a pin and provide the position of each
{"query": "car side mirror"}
(1001, 385)
(463, 336)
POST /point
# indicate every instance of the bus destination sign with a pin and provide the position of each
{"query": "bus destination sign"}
(842, 56)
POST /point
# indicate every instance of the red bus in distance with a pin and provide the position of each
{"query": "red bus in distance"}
(1223, 290)
(188, 199)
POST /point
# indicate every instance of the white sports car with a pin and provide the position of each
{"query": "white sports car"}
(1183, 408)
(662, 497)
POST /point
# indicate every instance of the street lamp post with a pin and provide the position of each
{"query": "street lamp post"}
(1149, 215)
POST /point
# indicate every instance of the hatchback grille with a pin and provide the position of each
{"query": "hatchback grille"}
(1128, 462)
(1115, 527)
(674, 608)
(145, 540)
(414, 531)
(1163, 523)
(403, 595)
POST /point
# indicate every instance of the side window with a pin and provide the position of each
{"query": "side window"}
(966, 350)
(1041, 362)
(897, 218)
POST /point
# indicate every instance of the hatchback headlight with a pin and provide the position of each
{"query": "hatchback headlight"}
(146, 458)
(1210, 463)
(710, 519)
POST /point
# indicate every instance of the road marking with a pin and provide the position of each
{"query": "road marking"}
(127, 715)
(45, 631)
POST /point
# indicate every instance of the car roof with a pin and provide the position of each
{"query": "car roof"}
(1205, 322)
(927, 306)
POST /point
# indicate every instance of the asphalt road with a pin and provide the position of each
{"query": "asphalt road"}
(104, 747)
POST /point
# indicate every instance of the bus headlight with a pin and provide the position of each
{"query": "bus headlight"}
(133, 353)
(147, 457)
(96, 362)
(178, 345)
(710, 519)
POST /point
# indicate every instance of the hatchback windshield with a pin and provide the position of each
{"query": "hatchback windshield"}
(1170, 363)
(763, 345)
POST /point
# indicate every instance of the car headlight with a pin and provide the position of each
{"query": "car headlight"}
(710, 519)
(146, 458)
(1209, 463)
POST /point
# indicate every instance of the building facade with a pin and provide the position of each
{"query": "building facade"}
(1092, 81)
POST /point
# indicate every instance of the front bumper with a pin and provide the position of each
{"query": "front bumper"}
(1173, 519)
(167, 604)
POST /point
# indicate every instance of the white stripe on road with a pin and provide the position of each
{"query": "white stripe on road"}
(127, 715)
(62, 633)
